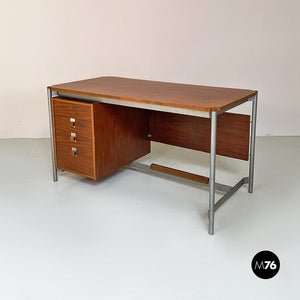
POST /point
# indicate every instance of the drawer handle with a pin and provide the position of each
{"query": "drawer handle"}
(72, 121)
(74, 152)
(73, 137)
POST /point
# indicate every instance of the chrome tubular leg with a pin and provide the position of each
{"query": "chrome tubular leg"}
(252, 144)
(212, 172)
(51, 134)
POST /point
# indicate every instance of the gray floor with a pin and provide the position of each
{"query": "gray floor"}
(138, 236)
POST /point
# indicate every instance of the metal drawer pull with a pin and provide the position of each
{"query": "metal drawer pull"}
(72, 121)
(74, 152)
(73, 137)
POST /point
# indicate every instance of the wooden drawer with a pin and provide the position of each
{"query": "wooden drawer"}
(108, 137)
(81, 159)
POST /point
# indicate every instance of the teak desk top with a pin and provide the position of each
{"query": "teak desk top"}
(186, 96)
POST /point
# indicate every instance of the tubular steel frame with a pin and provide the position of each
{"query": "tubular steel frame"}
(212, 205)
(54, 169)
(212, 185)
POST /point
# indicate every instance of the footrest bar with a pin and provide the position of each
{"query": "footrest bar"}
(177, 174)
(230, 193)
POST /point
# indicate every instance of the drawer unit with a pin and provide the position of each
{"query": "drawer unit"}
(74, 136)
(94, 139)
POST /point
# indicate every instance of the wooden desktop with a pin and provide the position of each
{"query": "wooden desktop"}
(102, 124)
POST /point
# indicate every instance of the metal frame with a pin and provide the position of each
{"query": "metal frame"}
(54, 170)
(212, 185)
(252, 143)
(212, 205)
(146, 168)
(212, 172)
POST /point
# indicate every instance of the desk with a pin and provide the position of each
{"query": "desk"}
(102, 124)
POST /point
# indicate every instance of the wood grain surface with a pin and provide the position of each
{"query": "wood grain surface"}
(120, 136)
(194, 132)
(179, 173)
(186, 96)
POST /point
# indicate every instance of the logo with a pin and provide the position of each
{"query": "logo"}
(265, 264)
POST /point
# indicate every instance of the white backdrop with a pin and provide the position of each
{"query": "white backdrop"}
(251, 44)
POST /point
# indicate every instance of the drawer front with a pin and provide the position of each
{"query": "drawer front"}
(73, 126)
(79, 134)
(78, 159)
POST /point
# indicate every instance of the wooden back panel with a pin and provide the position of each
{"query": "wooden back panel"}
(194, 132)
